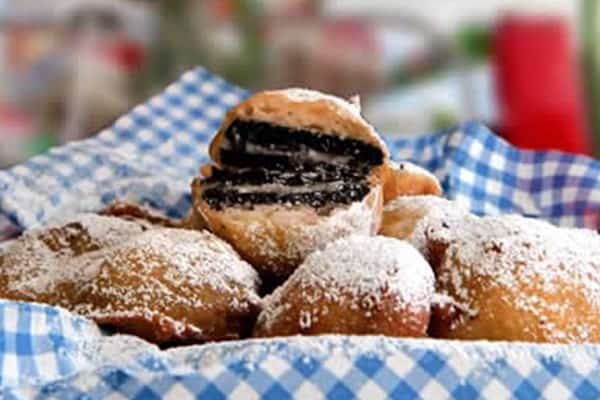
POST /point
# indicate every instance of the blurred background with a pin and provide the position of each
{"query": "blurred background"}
(530, 70)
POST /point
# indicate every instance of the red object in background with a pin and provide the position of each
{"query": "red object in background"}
(13, 122)
(222, 8)
(539, 85)
(128, 54)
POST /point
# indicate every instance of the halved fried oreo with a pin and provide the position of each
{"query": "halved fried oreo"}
(293, 170)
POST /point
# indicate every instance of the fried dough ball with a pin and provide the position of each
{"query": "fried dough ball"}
(357, 285)
(37, 266)
(166, 285)
(140, 214)
(172, 285)
(513, 278)
(407, 179)
(406, 217)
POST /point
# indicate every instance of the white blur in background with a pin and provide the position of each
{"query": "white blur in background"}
(69, 68)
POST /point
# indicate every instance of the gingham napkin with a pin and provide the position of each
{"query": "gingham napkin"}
(49, 353)
(150, 156)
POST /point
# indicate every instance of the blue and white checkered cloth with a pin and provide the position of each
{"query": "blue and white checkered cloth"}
(150, 156)
(48, 353)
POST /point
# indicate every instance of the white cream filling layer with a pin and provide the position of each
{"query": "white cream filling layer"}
(311, 154)
(280, 188)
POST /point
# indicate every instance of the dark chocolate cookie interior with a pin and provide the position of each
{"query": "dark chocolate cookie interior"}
(269, 164)
(317, 186)
(301, 174)
(280, 146)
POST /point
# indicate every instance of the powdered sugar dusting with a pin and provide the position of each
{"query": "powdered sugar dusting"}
(513, 250)
(104, 231)
(44, 257)
(306, 95)
(364, 265)
(170, 266)
(107, 267)
(411, 215)
(304, 238)
(364, 268)
(107, 231)
(423, 204)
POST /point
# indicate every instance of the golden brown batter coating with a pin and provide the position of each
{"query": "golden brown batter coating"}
(356, 285)
(140, 214)
(38, 266)
(152, 218)
(407, 179)
(512, 278)
(165, 285)
(173, 285)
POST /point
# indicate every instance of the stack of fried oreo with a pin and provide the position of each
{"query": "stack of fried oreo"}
(295, 168)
